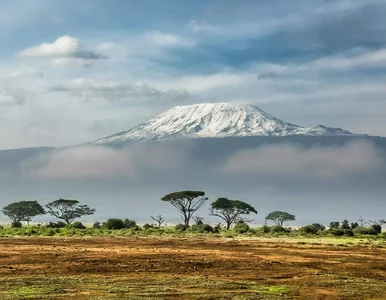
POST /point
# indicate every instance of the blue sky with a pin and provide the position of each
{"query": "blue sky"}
(76, 70)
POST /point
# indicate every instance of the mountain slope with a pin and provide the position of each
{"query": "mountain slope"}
(215, 120)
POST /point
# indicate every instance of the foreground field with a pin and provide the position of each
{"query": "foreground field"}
(189, 268)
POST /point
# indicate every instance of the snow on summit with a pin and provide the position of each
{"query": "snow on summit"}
(215, 120)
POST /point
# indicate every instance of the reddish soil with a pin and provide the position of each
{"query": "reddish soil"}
(314, 271)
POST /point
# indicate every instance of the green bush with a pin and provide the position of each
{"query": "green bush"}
(16, 224)
(180, 227)
(337, 232)
(377, 228)
(217, 228)
(96, 225)
(364, 230)
(114, 224)
(147, 226)
(265, 229)
(309, 229)
(50, 225)
(241, 227)
(279, 229)
(58, 224)
(77, 225)
(201, 228)
(319, 227)
(129, 223)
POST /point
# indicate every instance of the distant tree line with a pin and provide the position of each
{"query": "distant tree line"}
(187, 203)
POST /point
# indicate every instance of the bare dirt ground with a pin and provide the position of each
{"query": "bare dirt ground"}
(188, 268)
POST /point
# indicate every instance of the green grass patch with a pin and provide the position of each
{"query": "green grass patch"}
(54, 287)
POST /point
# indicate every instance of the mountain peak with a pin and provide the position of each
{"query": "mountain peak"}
(214, 120)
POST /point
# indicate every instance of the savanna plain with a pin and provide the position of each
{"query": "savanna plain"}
(192, 267)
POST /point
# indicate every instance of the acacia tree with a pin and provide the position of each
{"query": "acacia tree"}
(68, 210)
(230, 211)
(186, 202)
(23, 211)
(159, 219)
(279, 217)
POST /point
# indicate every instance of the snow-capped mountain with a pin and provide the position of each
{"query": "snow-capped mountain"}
(215, 120)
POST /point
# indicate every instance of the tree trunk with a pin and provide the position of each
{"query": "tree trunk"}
(228, 225)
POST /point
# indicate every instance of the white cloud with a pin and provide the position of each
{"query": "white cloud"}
(262, 24)
(204, 83)
(64, 50)
(12, 96)
(116, 90)
(14, 89)
(199, 26)
(80, 162)
(353, 159)
(93, 162)
(165, 39)
(375, 58)
(343, 61)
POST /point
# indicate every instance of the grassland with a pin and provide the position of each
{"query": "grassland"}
(192, 267)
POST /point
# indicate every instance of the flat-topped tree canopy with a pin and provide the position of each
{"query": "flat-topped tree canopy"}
(230, 211)
(186, 202)
(68, 210)
(182, 194)
(23, 211)
(279, 217)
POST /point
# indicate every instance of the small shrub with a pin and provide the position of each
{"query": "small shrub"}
(49, 232)
(96, 225)
(348, 232)
(50, 225)
(60, 224)
(147, 226)
(319, 227)
(201, 228)
(180, 227)
(377, 228)
(241, 227)
(129, 223)
(337, 232)
(278, 229)
(78, 225)
(217, 228)
(114, 224)
(265, 229)
(309, 229)
(16, 224)
(364, 230)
